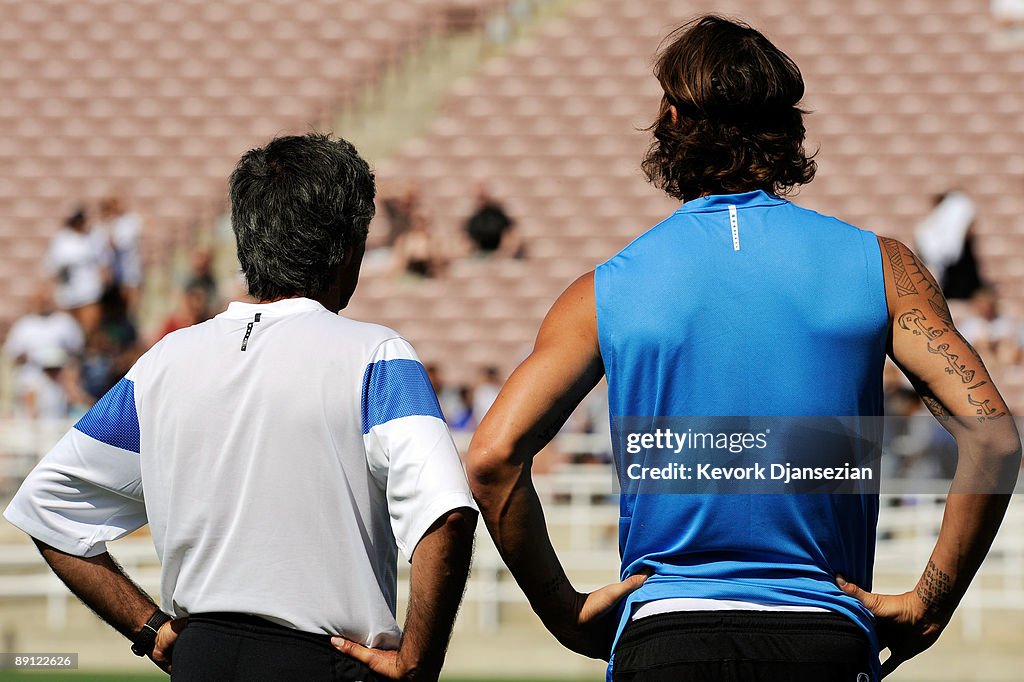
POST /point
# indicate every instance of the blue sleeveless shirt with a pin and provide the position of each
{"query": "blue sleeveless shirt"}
(745, 304)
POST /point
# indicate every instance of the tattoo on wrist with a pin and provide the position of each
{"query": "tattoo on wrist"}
(935, 590)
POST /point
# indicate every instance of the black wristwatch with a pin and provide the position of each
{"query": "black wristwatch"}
(144, 641)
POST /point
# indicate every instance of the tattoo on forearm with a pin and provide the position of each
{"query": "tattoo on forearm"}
(935, 590)
(553, 586)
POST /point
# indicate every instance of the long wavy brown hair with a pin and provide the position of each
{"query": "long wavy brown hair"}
(737, 125)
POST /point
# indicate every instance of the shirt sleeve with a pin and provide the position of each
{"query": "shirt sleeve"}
(408, 446)
(88, 489)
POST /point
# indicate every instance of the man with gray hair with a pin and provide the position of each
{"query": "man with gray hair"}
(281, 454)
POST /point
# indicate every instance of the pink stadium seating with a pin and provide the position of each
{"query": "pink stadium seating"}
(157, 99)
(909, 99)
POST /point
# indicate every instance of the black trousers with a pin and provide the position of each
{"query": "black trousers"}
(226, 647)
(743, 646)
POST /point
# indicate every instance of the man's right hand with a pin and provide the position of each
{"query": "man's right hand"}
(589, 627)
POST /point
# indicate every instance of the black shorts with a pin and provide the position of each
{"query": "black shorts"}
(742, 646)
(222, 647)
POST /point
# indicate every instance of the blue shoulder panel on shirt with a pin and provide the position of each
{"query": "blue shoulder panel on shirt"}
(397, 388)
(113, 420)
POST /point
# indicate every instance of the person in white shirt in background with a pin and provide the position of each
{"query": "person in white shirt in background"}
(41, 389)
(991, 332)
(43, 327)
(121, 230)
(78, 262)
(40, 344)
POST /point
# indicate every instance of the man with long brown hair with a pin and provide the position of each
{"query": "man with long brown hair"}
(742, 303)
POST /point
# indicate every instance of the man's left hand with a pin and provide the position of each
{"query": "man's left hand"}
(902, 623)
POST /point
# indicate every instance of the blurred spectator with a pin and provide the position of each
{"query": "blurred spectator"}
(417, 251)
(946, 244)
(490, 229)
(400, 210)
(447, 396)
(202, 276)
(992, 334)
(918, 445)
(193, 308)
(463, 417)
(42, 329)
(1008, 13)
(111, 349)
(486, 391)
(121, 230)
(98, 373)
(40, 389)
(77, 261)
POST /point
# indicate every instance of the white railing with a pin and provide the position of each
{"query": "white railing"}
(581, 509)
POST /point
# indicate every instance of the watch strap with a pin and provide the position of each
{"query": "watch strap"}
(145, 639)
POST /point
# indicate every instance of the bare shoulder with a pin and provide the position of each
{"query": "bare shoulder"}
(574, 312)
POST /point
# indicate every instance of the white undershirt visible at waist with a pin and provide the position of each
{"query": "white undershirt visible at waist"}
(653, 608)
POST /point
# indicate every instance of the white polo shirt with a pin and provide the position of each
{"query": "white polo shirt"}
(281, 455)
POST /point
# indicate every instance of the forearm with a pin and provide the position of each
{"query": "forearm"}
(440, 568)
(989, 460)
(102, 586)
(515, 519)
(968, 528)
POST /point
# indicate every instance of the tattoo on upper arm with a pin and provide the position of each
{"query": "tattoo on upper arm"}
(936, 336)
(935, 590)
(936, 408)
(904, 285)
(911, 277)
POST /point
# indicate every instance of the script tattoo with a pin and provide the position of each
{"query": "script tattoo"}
(904, 285)
(935, 590)
(911, 277)
(915, 318)
(984, 411)
(936, 408)
(953, 360)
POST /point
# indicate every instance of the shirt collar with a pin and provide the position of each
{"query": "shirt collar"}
(721, 202)
(286, 306)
